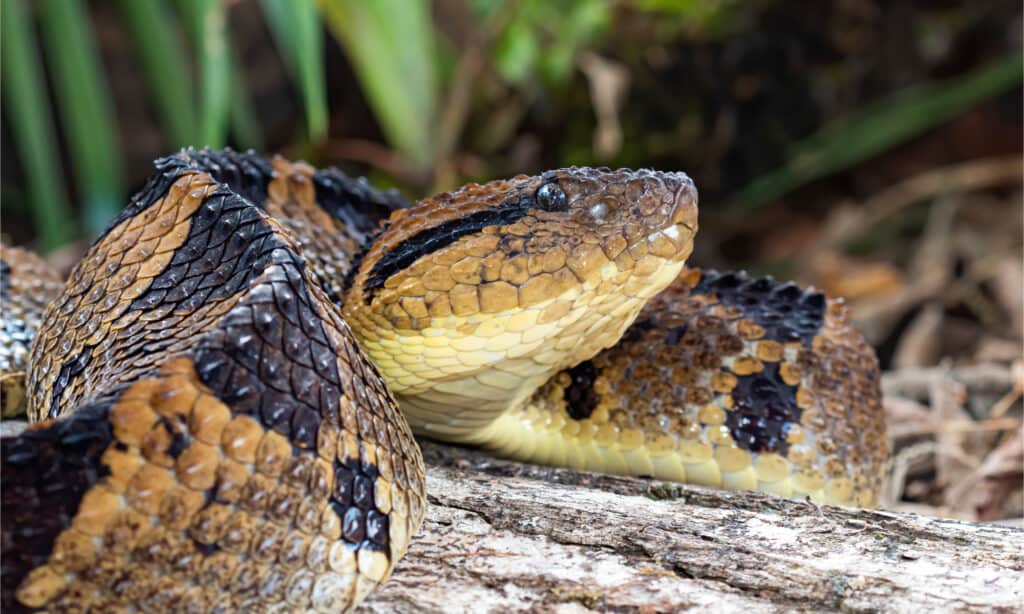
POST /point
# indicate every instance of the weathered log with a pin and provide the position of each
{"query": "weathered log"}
(501, 536)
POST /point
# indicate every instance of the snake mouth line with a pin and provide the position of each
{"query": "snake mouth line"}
(673, 233)
(673, 230)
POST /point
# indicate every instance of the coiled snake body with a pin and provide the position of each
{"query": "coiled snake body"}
(216, 388)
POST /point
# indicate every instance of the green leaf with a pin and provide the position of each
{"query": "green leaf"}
(542, 38)
(516, 52)
(86, 110)
(391, 45)
(244, 125)
(27, 108)
(879, 127)
(297, 29)
(206, 21)
(165, 66)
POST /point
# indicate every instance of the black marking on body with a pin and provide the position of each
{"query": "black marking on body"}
(356, 264)
(45, 473)
(229, 242)
(763, 409)
(786, 312)
(357, 204)
(362, 524)
(438, 237)
(246, 174)
(271, 359)
(204, 550)
(72, 368)
(168, 170)
(675, 334)
(580, 397)
(5, 275)
(270, 356)
(178, 434)
(638, 328)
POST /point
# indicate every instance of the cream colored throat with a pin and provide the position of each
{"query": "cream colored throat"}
(458, 375)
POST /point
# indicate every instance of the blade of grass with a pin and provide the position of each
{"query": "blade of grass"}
(206, 21)
(27, 108)
(86, 110)
(224, 100)
(878, 127)
(165, 66)
(297, 29)
(244, 126)
(391, 46)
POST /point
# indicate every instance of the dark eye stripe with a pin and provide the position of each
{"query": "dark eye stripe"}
(438, 237)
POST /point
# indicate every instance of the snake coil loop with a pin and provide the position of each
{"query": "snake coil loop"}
(225, 388)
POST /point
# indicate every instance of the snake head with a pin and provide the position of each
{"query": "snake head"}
(537, 272)
(569, 223)
(626, 215)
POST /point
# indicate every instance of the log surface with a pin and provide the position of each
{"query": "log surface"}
(505, 537)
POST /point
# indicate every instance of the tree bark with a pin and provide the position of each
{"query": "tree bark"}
(501, 537)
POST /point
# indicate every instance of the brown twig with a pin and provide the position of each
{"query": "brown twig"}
(375, 155)
(455, 108)
(954, 179)
(914, 383)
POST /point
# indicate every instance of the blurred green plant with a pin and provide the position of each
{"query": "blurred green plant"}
(177, 43)
(26, 101)
(703, 12)
(298, 33)
(415, 81)
(196, 85)
(542, 37)
(165, 67)
(876, 127)
(86, 110)
(392, 47)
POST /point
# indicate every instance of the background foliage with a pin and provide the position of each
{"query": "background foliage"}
(456, 90)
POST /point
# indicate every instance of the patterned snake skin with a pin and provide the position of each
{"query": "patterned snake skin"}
(216, 389)
(25, 293)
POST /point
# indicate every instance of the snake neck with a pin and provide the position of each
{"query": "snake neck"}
(457, 377)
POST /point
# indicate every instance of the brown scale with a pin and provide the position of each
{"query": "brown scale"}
(319, 209)
(689, 349)
(291, 198)
(182, 460)
(27, 285)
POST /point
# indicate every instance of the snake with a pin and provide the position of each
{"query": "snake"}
(224, 392)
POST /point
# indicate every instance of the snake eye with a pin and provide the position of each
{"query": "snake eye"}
(550, 197)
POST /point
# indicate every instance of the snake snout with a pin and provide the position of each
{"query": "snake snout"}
(684, 207)
(667, 210)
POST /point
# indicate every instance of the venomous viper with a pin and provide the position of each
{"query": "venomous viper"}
(216, 387)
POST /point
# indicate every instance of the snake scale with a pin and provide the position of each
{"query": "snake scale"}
(215, 390)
